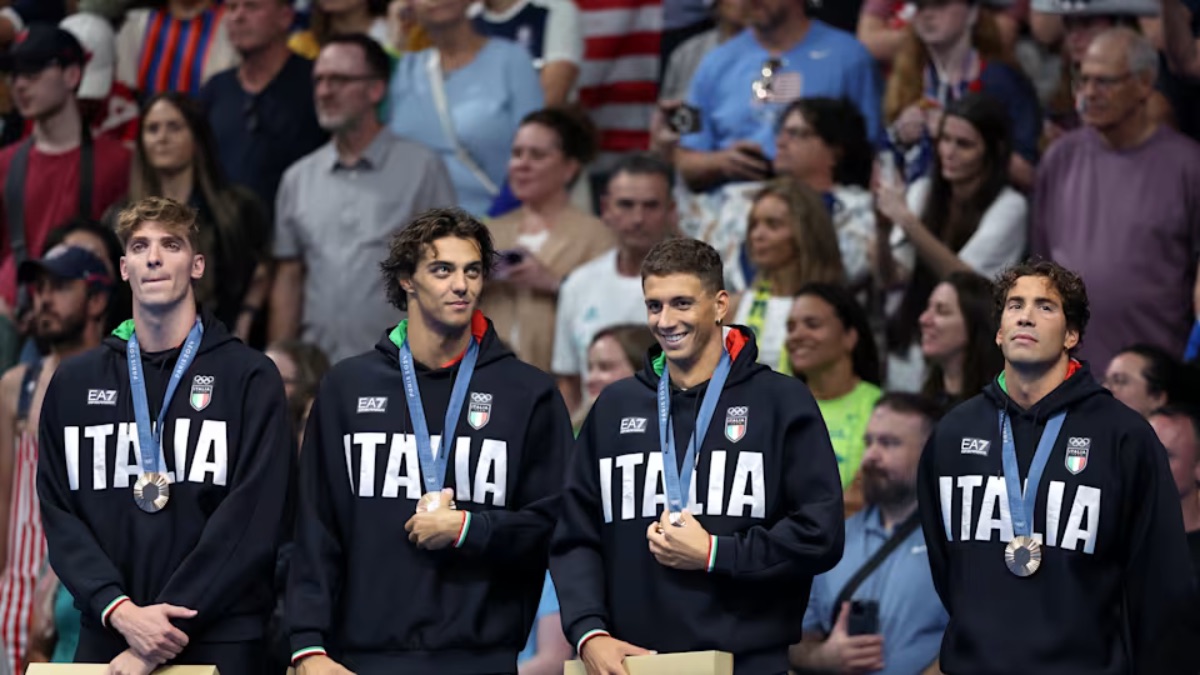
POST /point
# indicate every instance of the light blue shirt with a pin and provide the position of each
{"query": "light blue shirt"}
(911, 616)
(827, 62)
(486, 99)
(547, 605)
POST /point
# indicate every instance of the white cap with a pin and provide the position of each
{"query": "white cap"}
(1097, 7)
(99, 42)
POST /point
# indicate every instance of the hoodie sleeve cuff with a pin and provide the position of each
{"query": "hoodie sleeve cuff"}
(308, 643)
(585, 629)
(301, 654)
(110, 608)
(104, 601)
(474, 533)
(721, 554)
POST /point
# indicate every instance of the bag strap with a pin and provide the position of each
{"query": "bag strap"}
(434, 69)
(87, 169)
(14, 201)
(898, 536)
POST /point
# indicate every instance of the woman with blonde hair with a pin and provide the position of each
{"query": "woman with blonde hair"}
(790, 240)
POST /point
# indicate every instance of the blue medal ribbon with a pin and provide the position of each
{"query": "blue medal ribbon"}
(150, 439)
(677, 478)
(433, 470)
(1021, 502)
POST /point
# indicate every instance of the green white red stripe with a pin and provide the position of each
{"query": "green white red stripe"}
(462, 530)
(307, 651)
(712, 552)
(588, 636)
(112, 606)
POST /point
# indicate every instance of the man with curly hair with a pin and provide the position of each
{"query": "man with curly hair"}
(1053, 525)
(431, 557)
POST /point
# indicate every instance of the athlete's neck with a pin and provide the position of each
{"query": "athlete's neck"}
(833, 381)
(59, 132)
(259, 67)
(894, 514)
(158, 331)
(1191, 511)
(433, 344)
(686, 374)
(1028, 384)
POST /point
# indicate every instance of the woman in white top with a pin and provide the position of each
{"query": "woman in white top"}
(962, 217)
(791, 242)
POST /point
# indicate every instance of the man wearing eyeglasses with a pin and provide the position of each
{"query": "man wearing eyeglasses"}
(742, 86)
(338, 207)
(1119, 201)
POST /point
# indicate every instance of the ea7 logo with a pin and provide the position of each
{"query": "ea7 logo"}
(102, 397)
(633, 425)
(372, 404)
(975, 446)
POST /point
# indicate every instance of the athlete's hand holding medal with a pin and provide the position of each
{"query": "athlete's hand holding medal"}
(682, 546)
(437, 522)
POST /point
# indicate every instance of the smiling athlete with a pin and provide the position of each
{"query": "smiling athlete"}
(164, 470)
(700, 492)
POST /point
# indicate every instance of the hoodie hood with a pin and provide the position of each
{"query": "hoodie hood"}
(490, 347)
(740, 344)
(215, 334)
(1078, 386)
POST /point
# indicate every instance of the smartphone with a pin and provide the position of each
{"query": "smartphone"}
(762, 157)
(684, 119)
(511, 257)
(864, 617)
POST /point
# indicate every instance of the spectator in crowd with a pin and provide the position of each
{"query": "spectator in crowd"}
(784, 56)
(1145, 378)
(464, 97)
(71, 287)
(829, 346)
(1178, 429)
(685, 59)
(1123, 194)
(301, 365)
(1080, 25)
(958, 339)
(954, 49)
(736, 571)
(176, 47)
(341, 17)
(616, 353)
(102, 241)
(61, 171)
(338, 206)
(894, 582)
(607, 291)
(882, 24)
(108, 107)
(15, 16)
(791, 243)
(176, 158)
(261, 112)
(963, 217)
(821, 143)
(545, 239)
(550, 30)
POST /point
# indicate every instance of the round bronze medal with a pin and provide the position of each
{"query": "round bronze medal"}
(151, 492)
(1023, 556)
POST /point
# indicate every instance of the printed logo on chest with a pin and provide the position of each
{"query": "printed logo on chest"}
(209, 455)
(625, 497)
(483, 481)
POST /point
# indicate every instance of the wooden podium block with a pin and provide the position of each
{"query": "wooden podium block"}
(685, 663)
(102, 668)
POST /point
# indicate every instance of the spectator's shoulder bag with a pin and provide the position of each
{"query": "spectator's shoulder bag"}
(898, 536)
(434, 68)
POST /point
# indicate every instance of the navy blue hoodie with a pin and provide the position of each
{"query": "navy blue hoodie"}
(766, 484)
(230, 449)
(359, 590)
(1111, 594)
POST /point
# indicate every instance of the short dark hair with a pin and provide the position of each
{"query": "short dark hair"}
(1162, 372)
(841, 126)
(575, 130)
(1066, 283)
(379, 64)
(409, 244)
(644, 164)
(1185, 411)
(685, 256)
(850, 312)
(907, 403)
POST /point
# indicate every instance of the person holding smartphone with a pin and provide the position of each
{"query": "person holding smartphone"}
(877, 611)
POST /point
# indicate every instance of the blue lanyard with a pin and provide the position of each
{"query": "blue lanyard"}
(1021, 503)
(433, 470)
(150, 440)
(676, 478)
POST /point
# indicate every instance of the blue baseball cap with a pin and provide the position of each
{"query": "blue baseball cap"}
(69, 263)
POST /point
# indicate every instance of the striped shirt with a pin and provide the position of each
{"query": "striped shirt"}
(158, 52)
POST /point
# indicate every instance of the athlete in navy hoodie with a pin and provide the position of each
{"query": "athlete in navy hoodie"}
(1087, 575)
(397, 571)
(728, 563)
(169, 555)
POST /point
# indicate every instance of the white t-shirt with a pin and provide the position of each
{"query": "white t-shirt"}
(592, 298)
(773, 332)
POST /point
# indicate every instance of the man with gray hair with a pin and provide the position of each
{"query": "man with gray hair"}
(1119, 201)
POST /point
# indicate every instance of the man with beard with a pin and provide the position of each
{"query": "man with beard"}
(70, 288)
(877, 611)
